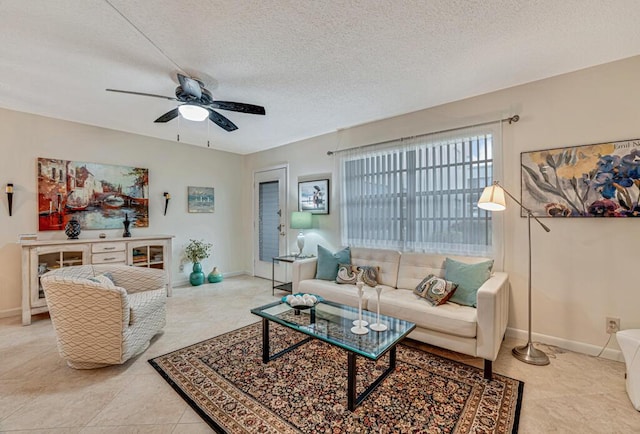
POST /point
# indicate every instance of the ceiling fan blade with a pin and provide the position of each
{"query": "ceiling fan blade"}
(221, 121)
(238, 107)
(190, 86)
(171, 114)
(170, 98)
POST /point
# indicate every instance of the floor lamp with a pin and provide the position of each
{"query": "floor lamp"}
(492, 199)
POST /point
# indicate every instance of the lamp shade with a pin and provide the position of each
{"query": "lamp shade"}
(301, 220)
(492, 198)
(193, 112)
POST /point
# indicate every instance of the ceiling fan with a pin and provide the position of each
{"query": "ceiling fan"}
(199, 104)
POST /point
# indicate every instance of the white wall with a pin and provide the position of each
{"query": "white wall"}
(172, 167)
(584, 270)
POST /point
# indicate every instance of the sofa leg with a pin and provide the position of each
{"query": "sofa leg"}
(488, 369)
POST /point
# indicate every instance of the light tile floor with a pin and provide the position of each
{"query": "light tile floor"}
(40, 394)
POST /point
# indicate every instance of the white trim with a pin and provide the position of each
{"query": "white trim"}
(7, 313)
(578, 347)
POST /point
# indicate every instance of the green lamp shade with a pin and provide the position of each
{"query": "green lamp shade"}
(301, 220)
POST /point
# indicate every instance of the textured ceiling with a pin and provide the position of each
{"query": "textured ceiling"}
(316, 66)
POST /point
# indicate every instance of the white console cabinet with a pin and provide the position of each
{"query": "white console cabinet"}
(38, 257)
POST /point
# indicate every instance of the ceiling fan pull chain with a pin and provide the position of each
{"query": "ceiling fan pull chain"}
(208, 144)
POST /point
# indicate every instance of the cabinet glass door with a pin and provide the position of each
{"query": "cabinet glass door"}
(47, 259)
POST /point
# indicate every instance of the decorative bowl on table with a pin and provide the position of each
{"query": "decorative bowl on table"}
(301, 301)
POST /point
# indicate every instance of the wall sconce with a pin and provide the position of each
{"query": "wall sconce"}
(167, 196)
(9, 190)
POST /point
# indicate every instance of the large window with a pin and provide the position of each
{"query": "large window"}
(420, 194)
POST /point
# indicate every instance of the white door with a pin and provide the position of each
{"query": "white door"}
(270, 222)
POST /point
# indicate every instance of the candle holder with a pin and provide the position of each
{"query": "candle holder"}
(359, 325)
(167, 196)
(9, 190)
(378, 326)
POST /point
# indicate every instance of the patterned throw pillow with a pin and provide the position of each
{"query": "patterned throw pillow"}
(370, 275)
(350, 274)
(435, 290)
(103, 279)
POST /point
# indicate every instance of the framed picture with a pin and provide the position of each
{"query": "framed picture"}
(200, 199)
(313, 196)
(600, 180)
(99, 196)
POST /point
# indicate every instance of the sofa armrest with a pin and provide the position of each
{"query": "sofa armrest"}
(303, 269)
(493, 314)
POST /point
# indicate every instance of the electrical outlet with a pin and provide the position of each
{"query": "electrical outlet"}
(182, 269)
(613, 325)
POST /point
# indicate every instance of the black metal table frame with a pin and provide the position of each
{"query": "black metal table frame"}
(353, 399)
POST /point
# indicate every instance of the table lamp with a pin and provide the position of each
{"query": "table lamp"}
(301, 220)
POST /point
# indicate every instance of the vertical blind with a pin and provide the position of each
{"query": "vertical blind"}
(268, 218)
(421, 194)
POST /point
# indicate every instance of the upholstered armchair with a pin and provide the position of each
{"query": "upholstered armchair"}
(104, 314)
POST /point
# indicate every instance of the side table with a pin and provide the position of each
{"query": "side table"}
(287, 286)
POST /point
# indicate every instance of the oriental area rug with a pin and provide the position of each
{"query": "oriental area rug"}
(305, 390)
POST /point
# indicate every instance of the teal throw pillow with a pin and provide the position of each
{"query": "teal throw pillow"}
(468, 277)
(327, 266)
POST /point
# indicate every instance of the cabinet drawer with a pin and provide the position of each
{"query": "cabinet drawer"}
(109, 258)
(108, 247)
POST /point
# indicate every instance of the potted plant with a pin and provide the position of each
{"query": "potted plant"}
(195, 252)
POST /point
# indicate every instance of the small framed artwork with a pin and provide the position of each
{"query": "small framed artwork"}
(313, 196)
(201, 199)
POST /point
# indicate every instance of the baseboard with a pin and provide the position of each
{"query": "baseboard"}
(185, 281)
(10, 312)
(578, 347)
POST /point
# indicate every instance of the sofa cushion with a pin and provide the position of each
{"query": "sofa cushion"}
(344, 294)
(435, 290)
(448, 318)
(327, 267)
(469, 278)
(415, 266)
(387, 260)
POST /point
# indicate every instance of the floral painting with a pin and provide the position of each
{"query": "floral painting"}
(601, 180)
(99, 196)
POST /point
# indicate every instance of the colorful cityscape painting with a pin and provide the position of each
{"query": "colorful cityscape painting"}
(99, 196)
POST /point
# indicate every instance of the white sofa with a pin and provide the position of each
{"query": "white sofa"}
(476, 331)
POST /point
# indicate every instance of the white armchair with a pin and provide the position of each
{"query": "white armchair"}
(98, 323)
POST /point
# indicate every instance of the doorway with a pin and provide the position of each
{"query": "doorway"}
(270, 222)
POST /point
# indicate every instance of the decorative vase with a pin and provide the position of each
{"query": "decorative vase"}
(196, 277)
(126, 224)
(215, 276)
(72, 229)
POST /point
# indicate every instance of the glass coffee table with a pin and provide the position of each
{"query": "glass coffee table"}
(332, 322)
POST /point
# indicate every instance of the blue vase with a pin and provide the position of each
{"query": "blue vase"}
(215, 276)
(196, 277)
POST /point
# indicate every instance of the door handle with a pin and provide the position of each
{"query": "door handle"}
(279, 227)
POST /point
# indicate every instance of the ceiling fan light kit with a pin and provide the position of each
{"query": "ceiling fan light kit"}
(199, 104)
(193, 112)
